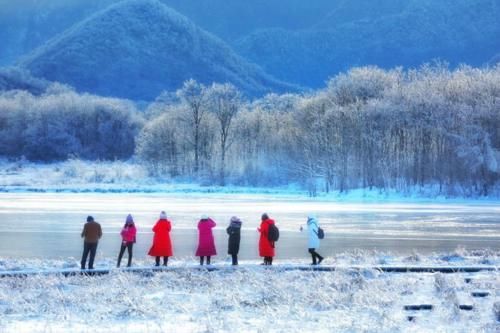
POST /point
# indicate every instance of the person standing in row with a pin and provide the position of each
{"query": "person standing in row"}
(266, 246)
(313, 242)
(206, 242)
(128, 234)
(91, 234)
(162, 245)
(234, 232)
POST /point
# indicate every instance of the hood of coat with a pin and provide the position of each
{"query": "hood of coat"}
(206, 221)
(235, 224)
(269, 221)
(311, 221)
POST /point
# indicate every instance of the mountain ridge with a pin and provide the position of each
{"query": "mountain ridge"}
(137, 48)
(454, 31)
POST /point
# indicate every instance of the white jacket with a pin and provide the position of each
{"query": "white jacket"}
(312, 230)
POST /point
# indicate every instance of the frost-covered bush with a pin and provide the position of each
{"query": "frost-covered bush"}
(62, 123)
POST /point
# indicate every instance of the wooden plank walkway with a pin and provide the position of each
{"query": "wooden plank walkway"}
(228, 268)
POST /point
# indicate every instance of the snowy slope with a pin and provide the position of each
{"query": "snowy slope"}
(136, 49)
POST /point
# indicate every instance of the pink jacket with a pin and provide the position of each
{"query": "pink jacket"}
(128, 234)
(206, 242)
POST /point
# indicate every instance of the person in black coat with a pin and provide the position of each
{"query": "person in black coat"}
(234, 232)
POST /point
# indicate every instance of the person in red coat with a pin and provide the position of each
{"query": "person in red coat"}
(162, 246)
(206, 242)
(266, 247)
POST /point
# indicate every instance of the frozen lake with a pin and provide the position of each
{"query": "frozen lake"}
(48, 225)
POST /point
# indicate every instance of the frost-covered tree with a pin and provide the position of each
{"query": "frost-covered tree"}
(193, 96)
(157, 144)
(369, 128)
(225, 102)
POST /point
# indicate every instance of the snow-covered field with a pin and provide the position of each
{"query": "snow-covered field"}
(251, 298)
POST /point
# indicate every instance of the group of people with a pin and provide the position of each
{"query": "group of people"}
(162, 243)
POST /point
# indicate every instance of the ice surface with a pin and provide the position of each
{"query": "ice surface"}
(48, 225)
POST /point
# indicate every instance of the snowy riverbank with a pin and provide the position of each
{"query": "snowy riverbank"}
(253, 299)
(457, 258)
(78, 176)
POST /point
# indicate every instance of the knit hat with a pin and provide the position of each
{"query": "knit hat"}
(204, 217)
(129, 219)
(90, 219)
(265, 216)
(235, 219)
(163, 215)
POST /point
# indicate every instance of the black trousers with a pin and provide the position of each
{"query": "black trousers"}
(202, 258)
(268, 260)
(234, 258)
(157, 261)
(129, 247)
(88, 248)
(315, 255)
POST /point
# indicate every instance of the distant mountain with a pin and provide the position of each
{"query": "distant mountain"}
(295, 40)
(233, 19)
(136, 49)
(386, 33)
(27, 24)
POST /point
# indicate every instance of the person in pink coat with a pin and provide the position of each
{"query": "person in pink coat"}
(128, 234)
(206, 242)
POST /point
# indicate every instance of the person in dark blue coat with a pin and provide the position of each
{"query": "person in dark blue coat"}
(234, 232)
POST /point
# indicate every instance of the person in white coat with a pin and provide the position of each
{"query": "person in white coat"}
(313, 243)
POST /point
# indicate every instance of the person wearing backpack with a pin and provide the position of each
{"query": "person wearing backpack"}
(128, 234)
(268, 236)
(315, 233)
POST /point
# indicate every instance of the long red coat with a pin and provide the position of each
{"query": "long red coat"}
(162, 246)
(266, 248)
(206, 242)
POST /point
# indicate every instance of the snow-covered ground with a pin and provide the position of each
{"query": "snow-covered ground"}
(251, 298)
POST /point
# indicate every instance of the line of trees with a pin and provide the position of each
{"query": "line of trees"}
(369, 128)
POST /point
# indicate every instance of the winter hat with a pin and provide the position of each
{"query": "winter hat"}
(235, 219)
(129, 219)
(204, 217)
(264, 216)
(163, 215)
(90, 219)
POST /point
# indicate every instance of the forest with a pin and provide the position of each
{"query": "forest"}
(368, 128)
